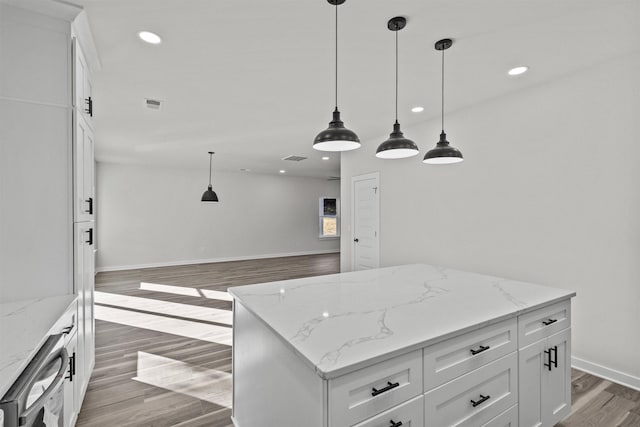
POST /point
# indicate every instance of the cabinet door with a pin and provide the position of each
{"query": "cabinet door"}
(84, 280)
(556, 378)
(530, 366)
(83, 170)
(82, 97)
(71, 406)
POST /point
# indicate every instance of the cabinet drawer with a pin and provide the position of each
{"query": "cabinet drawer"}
(410, 414)
(457, 356)
(543, 322)
(492, 388)
(364, 393)
(67, 323)
(508, 418)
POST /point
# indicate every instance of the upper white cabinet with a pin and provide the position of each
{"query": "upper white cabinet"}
(82, 86)
(84, 191)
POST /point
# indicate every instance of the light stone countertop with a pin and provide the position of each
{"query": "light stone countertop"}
(343, 322)
(24, 327)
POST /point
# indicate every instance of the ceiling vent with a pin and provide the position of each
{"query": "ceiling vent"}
(154, 104)
(294, 158)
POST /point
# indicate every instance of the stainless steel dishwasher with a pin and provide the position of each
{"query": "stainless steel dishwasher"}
(36, 398)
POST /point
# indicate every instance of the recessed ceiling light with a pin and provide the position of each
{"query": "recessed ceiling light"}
(325, 158)
(417, 109)
(282, 171)
(517, 71)
(149, 37)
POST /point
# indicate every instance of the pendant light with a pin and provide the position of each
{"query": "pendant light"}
(209, 195)
(397, 146)
(336, 137)
(443, 153)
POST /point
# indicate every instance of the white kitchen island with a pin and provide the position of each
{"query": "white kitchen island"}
(413, 345)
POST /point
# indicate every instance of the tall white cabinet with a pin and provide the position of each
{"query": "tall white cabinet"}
(84, 206)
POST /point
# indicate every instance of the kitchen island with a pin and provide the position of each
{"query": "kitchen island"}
(414, 345)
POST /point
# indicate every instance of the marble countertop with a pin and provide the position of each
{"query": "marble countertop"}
(343, 322)
(24, 327)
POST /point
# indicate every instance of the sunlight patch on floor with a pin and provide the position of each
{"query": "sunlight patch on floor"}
(183, 290)
(206, 384)
(153, 322)
(195, 312)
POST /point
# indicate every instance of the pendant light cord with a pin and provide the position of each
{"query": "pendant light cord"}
(336, 56)
(442, 90)
(397, 31)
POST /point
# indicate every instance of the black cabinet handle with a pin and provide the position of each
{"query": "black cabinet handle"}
(549, 322)
(90, 241)
(90, 201)
(483, 399)
(89, 109)
(356, 240)
(392, 424)
(552, 361)
(390, 385)
(480, 350)
(67, 329)
(72, 367)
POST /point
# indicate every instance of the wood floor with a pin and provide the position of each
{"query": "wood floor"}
(163, 348)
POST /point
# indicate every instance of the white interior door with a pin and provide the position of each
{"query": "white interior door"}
(366, 222)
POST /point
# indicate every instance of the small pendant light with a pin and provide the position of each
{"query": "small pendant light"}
(209, 195)
(443, 153)
(336, 137)
(397, 146)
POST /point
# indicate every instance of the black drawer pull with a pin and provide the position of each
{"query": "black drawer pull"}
(392, 424)
(549, 322)
(89, 108)
(90, 241)
(67, 329)
(480, 350)
(483, 399)
(552, 361)
(390, 385)
(90, 210)
(72, 367)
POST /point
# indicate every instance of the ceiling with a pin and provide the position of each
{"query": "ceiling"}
(252, 80)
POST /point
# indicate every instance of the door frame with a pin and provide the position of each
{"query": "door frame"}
(354, 179)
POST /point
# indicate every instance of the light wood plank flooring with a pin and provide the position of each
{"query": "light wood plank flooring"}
(163, 348)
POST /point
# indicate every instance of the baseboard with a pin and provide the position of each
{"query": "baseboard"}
(606, 373)
(213, 260)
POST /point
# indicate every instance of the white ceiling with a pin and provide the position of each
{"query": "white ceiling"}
(253, 79)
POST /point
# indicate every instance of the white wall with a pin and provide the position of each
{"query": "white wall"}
(549, 192)
(153, 216)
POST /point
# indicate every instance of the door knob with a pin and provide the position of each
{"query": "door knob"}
(356, 240)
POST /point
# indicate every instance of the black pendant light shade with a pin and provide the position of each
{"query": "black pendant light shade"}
(336, 137)
(397, 146)
(443, 153)
(209, 195)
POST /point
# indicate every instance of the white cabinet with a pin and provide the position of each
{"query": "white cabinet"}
(84, 281)
(545, 380)
(84, 187)
(82, 86)
(70, 412)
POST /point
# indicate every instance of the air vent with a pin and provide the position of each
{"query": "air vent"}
(294, 158)
(333, 178)
(153, 103)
